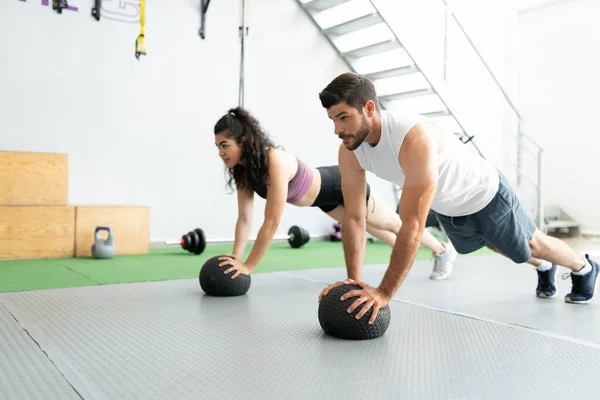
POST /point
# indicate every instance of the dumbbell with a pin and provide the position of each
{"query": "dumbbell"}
(195, 241)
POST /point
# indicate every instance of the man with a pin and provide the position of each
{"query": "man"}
(475, 204)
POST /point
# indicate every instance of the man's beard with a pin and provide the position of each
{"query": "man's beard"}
(359, 138)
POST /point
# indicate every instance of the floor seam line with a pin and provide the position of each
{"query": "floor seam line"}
(79, 273)
(564, 338)
(42, 350)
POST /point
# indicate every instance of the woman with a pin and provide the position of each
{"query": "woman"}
(254, 163)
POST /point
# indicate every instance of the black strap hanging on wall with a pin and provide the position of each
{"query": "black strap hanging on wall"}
(243, 30)
(59, 5)
(96, 9)
(203, 9)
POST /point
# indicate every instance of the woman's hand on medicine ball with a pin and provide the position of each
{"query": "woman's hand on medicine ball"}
(348, 281)
(371, 297)
(235, 265)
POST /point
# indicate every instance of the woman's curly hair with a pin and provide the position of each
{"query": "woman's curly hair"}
(253, 169)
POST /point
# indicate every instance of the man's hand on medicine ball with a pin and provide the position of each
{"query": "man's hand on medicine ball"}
(348, 281)
(371, 297)
(235, 265)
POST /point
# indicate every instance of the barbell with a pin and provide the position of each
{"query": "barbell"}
(195, 241)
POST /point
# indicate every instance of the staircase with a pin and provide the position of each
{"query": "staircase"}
(369, 44)
(558, 222)
(383, 58)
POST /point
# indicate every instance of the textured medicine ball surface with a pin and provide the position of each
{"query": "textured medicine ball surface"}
(336, 321)
(215, 283)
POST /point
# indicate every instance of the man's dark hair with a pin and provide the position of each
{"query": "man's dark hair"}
(352, 89)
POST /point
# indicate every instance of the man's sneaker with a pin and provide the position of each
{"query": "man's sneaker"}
(443, 263)
(583, 285)
(546, 279)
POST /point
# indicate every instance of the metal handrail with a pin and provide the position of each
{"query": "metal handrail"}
(521, 135)
(482, 60)
(540, 198)
(412, 59)
(532, 141)
(487, 67)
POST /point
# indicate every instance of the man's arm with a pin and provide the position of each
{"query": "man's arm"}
(354, 224)
(418, 159)
(276, 200)
(244, 222)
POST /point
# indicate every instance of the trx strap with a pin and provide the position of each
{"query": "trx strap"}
(203, 9)
(139, 42)
(96, 9)
(243, 32)
(59, 5)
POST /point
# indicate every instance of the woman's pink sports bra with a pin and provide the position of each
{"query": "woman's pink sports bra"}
(297, 187)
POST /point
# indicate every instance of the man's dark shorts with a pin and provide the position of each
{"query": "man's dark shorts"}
(502, 224)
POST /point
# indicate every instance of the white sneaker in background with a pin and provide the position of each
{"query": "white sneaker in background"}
(443, 263)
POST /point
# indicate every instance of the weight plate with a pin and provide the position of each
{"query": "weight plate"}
(201, 240)
(296, 240)
(305, 236)
(186, 242)
(194, 239)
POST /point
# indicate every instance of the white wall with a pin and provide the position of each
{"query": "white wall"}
(449, 61)
(136, 131)
(140, 132)
(559, 91)
(491, 27)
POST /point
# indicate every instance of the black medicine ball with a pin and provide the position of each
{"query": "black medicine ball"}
(215, 283)
(338, 322)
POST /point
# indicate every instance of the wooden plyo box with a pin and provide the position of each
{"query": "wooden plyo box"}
(33, 179)
(130, 226)
(36, 232)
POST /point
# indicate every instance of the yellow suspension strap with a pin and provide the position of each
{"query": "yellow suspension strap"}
(139, 43)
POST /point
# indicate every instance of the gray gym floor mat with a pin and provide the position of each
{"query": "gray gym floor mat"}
(25, 371)
(489, 288)
(166, 340)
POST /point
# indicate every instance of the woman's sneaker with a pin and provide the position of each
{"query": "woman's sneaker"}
(443, 263)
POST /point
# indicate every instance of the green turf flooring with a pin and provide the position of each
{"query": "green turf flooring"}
(174, 263)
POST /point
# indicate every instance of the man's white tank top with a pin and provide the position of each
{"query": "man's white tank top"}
(466, 181)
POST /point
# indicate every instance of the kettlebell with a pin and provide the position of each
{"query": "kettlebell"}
(103, 248)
